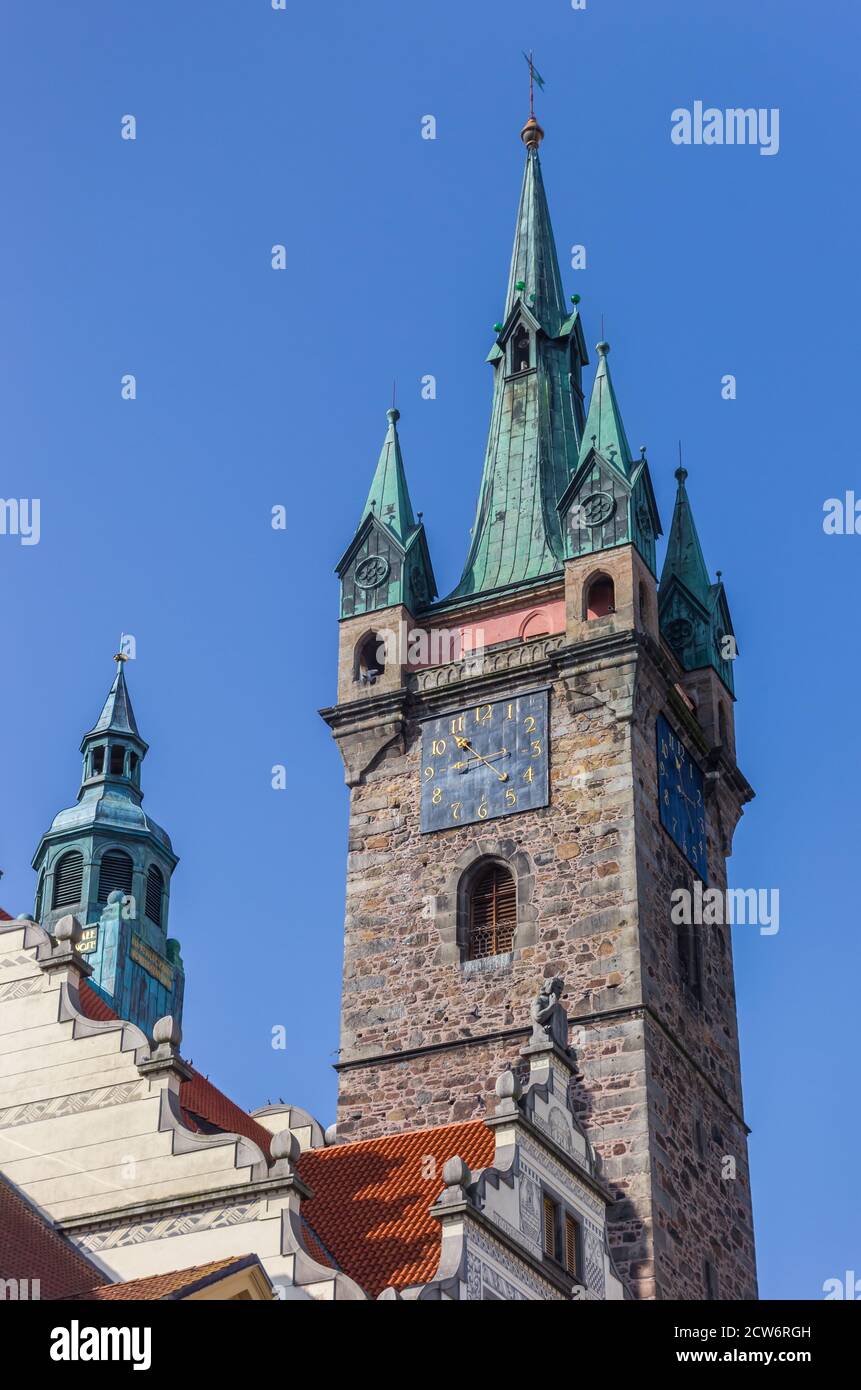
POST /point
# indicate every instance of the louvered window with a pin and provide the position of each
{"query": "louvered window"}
(154, 890)
(492, 913)
(68, 880)
(571, 1245)
(118, 757)
(549, 1226)
(115, 874)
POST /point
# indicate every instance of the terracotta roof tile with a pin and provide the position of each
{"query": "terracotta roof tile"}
(5, 916)
(205, 1108)
(32, 1248)
(175, 1285)
(370, 1208)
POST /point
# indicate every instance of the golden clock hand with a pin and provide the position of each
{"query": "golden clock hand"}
(465, 743)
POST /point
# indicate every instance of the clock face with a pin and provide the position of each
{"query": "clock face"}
(681, 796)
(484, 761)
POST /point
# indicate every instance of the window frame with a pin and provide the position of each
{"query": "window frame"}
(478, 874)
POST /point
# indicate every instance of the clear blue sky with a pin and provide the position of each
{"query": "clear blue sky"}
(257, 388)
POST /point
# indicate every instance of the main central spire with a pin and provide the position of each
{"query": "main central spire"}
(536, 422)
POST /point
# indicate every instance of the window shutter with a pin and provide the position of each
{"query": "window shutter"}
(154, 890)
(493, 913)
(68, 880)
(571, 1245)
(550, 1227)
(115, 874)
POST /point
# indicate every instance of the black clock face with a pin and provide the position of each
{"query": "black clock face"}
(681, 796)
(484, 761)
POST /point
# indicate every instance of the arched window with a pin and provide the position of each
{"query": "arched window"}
(118, 758)
(492, 905)
(644, 604)
(154, 891)
(39, 891)
(601, 598)
(520, 350)
(115, 874)
(68, 880)
(98, 761)
(370, 660)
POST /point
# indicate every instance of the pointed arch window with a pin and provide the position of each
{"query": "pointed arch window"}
(154, 892)
(115, 874)
(68, 880)
(601, 598)
(370, 659)
(492, 906)
(521, 350)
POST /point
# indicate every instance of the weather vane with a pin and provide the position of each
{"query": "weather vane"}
(534, 76)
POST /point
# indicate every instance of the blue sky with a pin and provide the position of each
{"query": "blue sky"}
(257, 388)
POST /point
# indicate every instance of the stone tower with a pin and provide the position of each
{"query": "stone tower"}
(108, 863)
(536, 763)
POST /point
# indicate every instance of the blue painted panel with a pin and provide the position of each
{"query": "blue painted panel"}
(681, 795)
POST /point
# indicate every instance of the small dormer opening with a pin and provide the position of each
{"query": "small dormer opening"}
(521, 356)
(154, 892)
(118, 758)
(98, 764)
(370, 660)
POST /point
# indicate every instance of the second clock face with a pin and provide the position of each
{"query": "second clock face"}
(484, 761)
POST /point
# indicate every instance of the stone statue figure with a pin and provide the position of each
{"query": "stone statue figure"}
(549, 1019)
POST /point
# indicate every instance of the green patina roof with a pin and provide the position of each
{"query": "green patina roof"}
(533, 259)
(684, 559)
(604, 429)
(535, 428)
(389, 498)
(117, 716)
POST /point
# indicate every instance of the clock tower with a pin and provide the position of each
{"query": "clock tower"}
(536, 764)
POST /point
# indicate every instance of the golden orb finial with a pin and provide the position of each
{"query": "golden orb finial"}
(532, 134)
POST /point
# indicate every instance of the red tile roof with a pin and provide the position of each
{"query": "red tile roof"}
(5, 916)
(176, 1285)
(370, 1208)
(205, 1109)
(32, 1248)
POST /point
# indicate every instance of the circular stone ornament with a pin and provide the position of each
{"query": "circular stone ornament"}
(680, 631)
(597, 508)
(371, 571)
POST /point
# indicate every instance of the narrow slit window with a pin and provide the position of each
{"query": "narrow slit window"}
(118, 758)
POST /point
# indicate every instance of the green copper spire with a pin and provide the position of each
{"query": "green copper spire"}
(389, 497)
(110, 864)
(693, 612)
(684, 559)
(534, 263)
(537, 412)
(388, 561)
(117, 716)
(610, 500)
(604, 430)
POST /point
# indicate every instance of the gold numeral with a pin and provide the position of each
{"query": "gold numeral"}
(429, 772)
(536, 748)
(528, 775)
(482, 808)
(438, 747)
(529, 721)
(510, 797)
(457, 724)
(455, 810)
(510, 711)
(437, 796)
(483, 714)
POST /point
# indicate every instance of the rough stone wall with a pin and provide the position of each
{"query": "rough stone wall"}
(601, 869)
